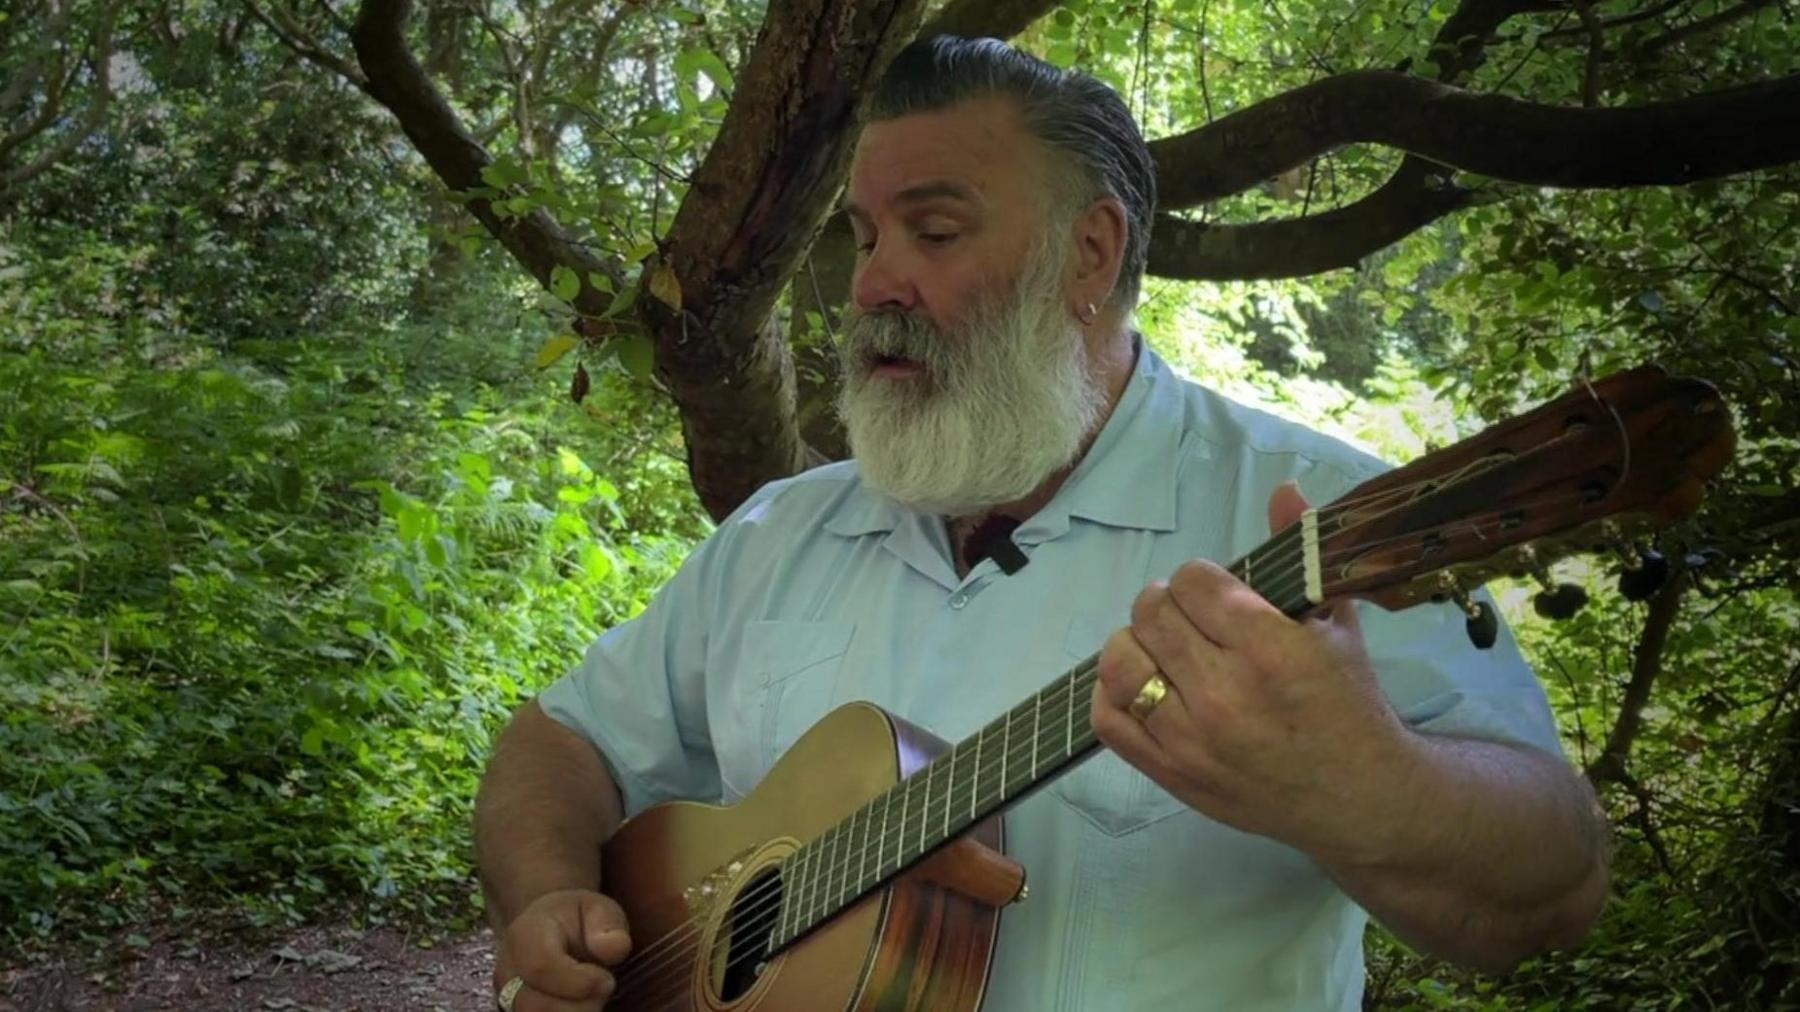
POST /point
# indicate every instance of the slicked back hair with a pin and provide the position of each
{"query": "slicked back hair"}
(1087, 127)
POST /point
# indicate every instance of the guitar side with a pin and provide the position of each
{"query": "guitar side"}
(913, 945)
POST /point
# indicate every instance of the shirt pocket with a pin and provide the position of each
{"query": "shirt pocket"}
(1106, 791)
(794, 666)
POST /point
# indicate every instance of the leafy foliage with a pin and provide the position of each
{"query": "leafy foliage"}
(264, 610)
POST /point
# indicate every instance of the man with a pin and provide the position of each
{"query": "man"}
(1266, 780)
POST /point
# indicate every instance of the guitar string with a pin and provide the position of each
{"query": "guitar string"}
(749, 907)
(759, 902)
(833, 867)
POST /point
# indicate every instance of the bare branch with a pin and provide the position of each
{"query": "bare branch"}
(27, 76)
(1590, 83)
(1607, 24)
(1000, 19)
(1646, 664)
(1663, 143)
(101, 65)
(293, 36)
(1413, 198)
(1706, 24)
(397, 81)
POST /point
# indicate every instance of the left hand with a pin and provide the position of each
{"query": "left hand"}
(1271, 725)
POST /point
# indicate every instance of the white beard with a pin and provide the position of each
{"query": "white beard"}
(1006, 400)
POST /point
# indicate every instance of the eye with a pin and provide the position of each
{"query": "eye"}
(937, 238)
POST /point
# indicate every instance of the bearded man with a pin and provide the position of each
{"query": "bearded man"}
(1222, 852)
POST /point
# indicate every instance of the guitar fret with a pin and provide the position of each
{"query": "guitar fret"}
(844, 878)
(925, 810)
(975, 782)
(1069, 720)
(950, 791)
(1005, 749)
(887, 806)
(1037, 721)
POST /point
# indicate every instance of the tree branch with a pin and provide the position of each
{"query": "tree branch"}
(295, 38)
(1662, 143)
(756, 201)
(1646, 664)
(101, 63)
(397, 81)
(1706, 24)
(1000, 19)
(1414, 197)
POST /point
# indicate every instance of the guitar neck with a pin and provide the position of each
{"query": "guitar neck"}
(1025, 748)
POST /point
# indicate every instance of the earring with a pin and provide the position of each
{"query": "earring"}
(1086, 314)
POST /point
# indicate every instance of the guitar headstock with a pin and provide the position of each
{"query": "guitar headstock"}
(1610, 461)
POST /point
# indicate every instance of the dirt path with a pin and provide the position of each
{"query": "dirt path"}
(315, 969)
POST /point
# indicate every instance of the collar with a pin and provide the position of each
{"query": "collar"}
(1126, 479)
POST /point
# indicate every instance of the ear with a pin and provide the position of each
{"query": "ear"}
(1100, 234)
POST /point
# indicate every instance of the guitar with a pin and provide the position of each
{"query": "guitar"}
(867, 870)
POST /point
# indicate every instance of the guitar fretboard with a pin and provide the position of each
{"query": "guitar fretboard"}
(1027, 746)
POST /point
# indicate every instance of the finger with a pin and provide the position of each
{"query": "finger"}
(603, 929)
(1165, 631)
(540, 950)
(1123, 669)
(1222, 607)
(1286, 505)
(1128, 736)
(530, 1000)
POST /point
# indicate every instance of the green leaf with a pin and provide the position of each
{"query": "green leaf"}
(565, 284)
(555, 348)
(503, 173)
(704, 61)
(636, 354)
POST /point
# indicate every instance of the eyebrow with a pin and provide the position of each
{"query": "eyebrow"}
(919, 193)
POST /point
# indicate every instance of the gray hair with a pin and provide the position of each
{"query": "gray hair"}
(1090, 132)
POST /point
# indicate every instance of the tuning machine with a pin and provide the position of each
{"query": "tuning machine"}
(1556, 601)
(1479, 620)
(1641, 581)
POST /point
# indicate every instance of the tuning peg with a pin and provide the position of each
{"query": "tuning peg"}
(1559, 601)
(1642, 581)
(1482, 625)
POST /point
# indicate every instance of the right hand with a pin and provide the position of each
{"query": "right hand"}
(561, 945)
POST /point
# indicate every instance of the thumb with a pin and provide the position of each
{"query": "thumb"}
(603, 929)
(1285, 506)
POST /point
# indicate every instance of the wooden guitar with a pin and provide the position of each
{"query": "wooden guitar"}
(866, 871)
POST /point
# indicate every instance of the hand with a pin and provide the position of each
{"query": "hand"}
(561, 945)
(1271, 725)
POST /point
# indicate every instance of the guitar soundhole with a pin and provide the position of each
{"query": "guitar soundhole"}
(743, 946)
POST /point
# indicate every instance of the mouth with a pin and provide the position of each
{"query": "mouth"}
(895, 366)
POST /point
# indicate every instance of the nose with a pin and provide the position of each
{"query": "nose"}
(881, 282)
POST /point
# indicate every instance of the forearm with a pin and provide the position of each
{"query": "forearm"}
(1481, 853)
(545, 806)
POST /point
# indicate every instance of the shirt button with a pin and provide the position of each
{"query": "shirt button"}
(959, 599)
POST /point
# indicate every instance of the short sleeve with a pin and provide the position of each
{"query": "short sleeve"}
(1440, 683)
(639, 693)
(1435, 678)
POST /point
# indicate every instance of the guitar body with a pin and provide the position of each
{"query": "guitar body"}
(678, 868)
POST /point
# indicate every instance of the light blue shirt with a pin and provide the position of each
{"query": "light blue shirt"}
(818, 591)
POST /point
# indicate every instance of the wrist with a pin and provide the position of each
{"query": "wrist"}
(1390, 811)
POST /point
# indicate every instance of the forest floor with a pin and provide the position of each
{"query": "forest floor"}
(324, 968)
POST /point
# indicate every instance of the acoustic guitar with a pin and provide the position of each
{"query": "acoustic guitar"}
(867, 870)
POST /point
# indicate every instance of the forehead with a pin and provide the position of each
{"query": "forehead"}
(980, 145)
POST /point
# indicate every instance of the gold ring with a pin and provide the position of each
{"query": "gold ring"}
(1149, 696)
(510, 993)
